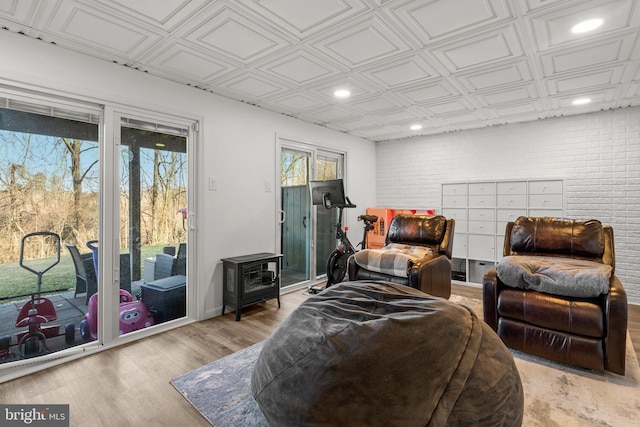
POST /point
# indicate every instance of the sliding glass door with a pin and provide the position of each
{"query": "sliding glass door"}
(150, 255)
(49, 182)
(328, 166)
(295, 172)
(307, 234)
(95, 229)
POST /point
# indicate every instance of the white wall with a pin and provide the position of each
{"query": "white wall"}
(598, 156)
(238, 148)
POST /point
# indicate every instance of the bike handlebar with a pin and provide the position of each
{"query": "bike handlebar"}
(328, 205)
(43, 234)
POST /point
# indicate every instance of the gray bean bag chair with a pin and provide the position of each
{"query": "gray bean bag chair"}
(381, 354)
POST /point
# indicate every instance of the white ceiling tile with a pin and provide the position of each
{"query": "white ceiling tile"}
(494, 76)
(534, 5)
(158, 11)
(481, 49)
(362, 122)
(458, 119)
(597, 97)
(428, 92)
(580, 81)
(19, 12)
(296, 102)
(237, 40)
(331, 114)
(300, 67)
(178, 59)
(425, 18)
(229, 33)
(375, 104)
(455, 106)
(250, 87)
(554, 29)
(514, 94)
(76, 23)
(165, 14)
(605, 52)
(637, 73)
(407, 70)
(381, 133)
(363, 43)
(358, 88)
(303, 18)
(633, 92)
(399, 116)
(521, 109)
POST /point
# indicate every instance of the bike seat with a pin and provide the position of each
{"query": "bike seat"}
(43, 306)
(368, 218)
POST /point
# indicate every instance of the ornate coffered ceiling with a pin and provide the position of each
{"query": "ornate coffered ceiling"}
(444, 64)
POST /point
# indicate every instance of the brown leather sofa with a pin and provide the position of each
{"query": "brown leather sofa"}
(585, 331)
(432, 274)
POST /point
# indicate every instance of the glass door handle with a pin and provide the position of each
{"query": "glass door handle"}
(283, 216)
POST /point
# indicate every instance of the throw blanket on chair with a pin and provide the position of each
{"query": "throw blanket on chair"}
(394, 259)
(556, 276)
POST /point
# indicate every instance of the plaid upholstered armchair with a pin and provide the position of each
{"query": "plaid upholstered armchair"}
(417, 253)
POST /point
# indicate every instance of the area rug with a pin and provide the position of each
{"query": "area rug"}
(555, 394)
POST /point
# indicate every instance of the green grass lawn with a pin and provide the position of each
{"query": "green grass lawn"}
(15, 280)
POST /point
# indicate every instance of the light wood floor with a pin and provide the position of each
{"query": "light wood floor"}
(129, 385)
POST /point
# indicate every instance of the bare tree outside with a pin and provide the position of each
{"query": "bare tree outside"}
(76, 148)
(51, 183)
(294, 169)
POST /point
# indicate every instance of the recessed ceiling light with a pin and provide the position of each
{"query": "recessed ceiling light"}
(581, 101)
(587, 25)
(342, 93)
(416, 127)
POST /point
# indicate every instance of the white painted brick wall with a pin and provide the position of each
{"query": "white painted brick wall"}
(597, 155)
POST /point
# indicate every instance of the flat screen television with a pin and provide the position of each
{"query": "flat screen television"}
(333, 188)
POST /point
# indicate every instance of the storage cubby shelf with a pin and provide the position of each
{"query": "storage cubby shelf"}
(481, 211)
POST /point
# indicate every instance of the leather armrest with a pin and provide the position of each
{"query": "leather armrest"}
(432, 276)
(616, 315)
(490, 298)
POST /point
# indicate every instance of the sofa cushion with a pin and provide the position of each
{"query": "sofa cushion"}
(555, 276)
(393, 259)
(558, 236)
(417, 229)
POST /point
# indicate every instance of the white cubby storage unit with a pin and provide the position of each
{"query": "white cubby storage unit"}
(481, 211)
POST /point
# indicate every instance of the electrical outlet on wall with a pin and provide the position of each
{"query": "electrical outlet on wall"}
(267, 186)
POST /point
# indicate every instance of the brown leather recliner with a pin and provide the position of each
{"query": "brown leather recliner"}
(586, 331)
(431, 274)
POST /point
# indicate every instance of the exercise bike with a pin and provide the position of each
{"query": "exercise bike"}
(330, 194)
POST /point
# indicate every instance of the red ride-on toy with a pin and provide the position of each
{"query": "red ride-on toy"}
(37, 314)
